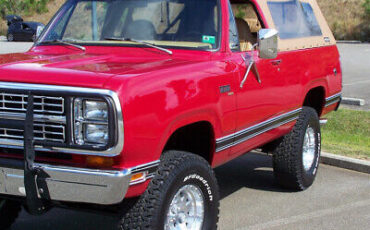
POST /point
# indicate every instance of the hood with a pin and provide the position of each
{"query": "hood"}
(82, 69)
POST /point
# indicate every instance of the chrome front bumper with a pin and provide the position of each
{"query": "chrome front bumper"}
(71, 184)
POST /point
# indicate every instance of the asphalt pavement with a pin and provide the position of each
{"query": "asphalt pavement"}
(355, 59)
(251, 200)
(14, 47)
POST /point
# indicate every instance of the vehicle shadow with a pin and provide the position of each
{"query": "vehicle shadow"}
(252, 171)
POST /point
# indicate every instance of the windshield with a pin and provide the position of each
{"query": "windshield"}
(168, 23)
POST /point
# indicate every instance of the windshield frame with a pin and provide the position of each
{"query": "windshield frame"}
(72, 3)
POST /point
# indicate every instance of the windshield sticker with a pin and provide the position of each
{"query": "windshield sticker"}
(209, 39)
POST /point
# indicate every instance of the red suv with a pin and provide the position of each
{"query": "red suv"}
(126, 106)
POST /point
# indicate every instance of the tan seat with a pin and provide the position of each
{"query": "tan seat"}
(246, 37)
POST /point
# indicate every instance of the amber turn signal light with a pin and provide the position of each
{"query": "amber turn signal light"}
(138, 177)
(98, 161)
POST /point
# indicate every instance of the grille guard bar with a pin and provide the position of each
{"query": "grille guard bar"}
(34, 177)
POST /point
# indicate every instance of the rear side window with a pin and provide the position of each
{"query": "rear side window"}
(294, 19)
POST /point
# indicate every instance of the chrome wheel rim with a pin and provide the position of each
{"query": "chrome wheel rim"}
(309, 148)
(186, 210)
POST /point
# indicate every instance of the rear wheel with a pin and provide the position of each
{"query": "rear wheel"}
(182, 195)
(9, 211)
(296, 158)
(10, 37)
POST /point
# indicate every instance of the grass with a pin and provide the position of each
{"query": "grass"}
(347, 133)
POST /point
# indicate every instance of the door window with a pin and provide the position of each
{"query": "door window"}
(247, 24)
(233, 32)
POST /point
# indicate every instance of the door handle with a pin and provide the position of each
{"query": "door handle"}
(276, 62)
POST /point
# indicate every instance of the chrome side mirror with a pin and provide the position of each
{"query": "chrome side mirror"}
(268, 43)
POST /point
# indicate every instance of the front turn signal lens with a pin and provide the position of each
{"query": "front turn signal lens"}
(99, 162)
(138, 177)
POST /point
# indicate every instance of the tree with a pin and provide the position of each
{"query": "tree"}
(24, 7)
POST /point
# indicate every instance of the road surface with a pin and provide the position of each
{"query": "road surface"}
(355, 60)
(251, 200)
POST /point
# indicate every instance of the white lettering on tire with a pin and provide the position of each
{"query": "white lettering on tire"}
(204, 182)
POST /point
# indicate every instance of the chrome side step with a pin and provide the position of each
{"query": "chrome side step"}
(323, 122)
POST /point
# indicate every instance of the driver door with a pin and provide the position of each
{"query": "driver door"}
(260, 93)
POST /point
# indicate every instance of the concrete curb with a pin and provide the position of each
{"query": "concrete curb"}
(345, 162)
(349, 42)
(353, 101)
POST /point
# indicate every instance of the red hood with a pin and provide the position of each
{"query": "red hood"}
(82, 69)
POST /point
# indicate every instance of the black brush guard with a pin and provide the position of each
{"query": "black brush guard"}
(37, 196)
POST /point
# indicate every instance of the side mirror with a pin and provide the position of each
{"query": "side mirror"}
(268, 43)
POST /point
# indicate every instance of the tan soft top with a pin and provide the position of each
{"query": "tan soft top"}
(326, 39)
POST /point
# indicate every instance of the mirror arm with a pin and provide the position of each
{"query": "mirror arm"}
(252, 63)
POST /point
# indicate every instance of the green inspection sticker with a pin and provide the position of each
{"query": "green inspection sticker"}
(209, 39)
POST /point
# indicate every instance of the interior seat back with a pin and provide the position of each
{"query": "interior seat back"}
(246, 37)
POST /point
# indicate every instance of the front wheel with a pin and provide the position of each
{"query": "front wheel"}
(182, 195)
(296, 158)
(10, 37)
(9, 211)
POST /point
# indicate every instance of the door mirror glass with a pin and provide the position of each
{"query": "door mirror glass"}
(268, 43)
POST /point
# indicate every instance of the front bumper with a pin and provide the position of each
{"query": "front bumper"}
(68, 184)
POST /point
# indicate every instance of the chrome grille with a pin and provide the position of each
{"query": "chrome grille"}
(43, 132)
(49, 117)
(13, 102)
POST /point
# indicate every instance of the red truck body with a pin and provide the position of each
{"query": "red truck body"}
(160, 93)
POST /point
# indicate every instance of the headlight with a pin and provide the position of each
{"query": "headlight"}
(96, 133)
(96, 110)
(90, 122)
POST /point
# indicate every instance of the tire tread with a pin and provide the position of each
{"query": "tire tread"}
(144, 213)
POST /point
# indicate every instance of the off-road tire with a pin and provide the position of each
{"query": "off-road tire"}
(176, 169)
(9, 211)
(288, 158)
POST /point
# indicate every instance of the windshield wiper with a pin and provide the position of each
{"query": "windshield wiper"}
(139, 42)
(68, 43)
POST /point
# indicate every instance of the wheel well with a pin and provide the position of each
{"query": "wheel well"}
(196, 138)
(315, 98)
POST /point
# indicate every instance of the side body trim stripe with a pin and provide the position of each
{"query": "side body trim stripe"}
(333, 99)
(253, 131)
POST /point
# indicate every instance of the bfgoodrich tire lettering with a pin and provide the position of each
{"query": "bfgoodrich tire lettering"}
(288, 160)
(9, 211)
(176, 171)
